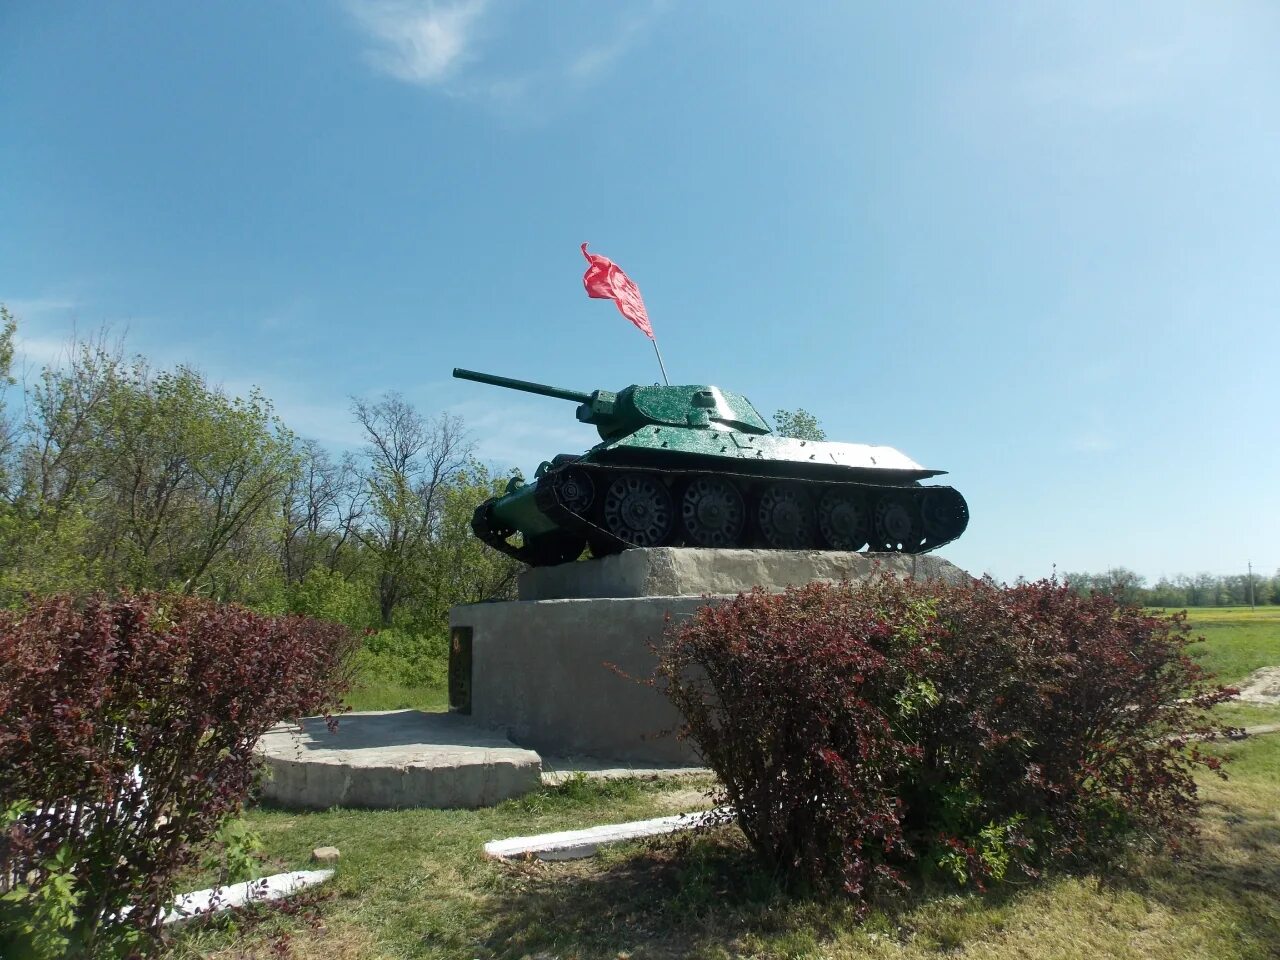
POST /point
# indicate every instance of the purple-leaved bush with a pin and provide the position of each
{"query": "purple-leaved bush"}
(864, 734)
(127, 729)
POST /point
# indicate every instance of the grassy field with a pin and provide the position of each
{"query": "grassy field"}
(412, 884)
(1237, 640)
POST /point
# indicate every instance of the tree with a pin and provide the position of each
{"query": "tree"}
(47, 534)
(409, 461)
(129, 477)
(1118, 582)
(323, 503)
(1166, 594)
(460, 568)
(7, 328)
(1125, 585)
(191, 476)
(799, 424)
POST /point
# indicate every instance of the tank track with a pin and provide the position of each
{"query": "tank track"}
(566, 543)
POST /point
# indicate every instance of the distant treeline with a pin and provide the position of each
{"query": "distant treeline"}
(1184, 590)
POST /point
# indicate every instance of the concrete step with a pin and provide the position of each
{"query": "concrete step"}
(394, 759)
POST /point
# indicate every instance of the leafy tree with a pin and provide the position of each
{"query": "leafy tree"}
(409, 460)
(1166, 594)
(196, 474)
(799, 424)
(129, 477)
(323, 503)
(7, 328)
(459, 568)
(329, 595)
(1118, 582)
(68, 407)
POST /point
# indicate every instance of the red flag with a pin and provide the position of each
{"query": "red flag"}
(605, 280)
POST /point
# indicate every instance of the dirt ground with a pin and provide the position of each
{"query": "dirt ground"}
(1262, 686)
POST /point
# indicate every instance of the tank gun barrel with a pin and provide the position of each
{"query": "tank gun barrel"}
(526, 385)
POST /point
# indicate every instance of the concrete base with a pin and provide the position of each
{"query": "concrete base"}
(400, 758)
(685, 572)
(546, 670)
(548, 673)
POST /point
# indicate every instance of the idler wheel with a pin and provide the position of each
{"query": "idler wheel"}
(713, 513)
(895, 525)
(638, 509)
(945, 515)
(843, 520)
(576, 490)
(785, 515)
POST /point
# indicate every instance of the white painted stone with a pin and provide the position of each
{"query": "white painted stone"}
(577, 844)
(275, 887)
(215, 899)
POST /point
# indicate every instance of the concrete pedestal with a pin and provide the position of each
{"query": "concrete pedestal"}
(545, 668)
(547, 672)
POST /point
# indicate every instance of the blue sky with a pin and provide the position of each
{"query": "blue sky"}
(1035, 246)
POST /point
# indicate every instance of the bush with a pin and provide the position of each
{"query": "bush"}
(863, 732)
(402, 656)
(127, 730)
(328, 595)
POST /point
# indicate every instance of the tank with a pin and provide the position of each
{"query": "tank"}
(697, 466)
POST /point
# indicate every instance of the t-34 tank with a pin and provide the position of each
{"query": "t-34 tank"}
(698, 466)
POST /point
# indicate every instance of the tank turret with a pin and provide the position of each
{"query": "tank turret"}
(698, 466)
(634, 407)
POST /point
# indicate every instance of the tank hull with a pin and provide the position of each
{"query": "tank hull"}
(668, 486)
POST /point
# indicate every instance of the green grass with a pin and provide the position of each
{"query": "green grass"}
(386, 695)
(1246, 714)
(413, 884)
(401, 669)
(1237, 640)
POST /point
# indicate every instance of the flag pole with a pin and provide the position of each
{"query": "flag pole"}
(661, 365)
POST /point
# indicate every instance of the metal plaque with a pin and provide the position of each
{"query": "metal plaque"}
(460, 670)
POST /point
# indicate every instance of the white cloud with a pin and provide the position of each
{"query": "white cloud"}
(40, 351)
(39, 308)
(46, 330)
(596, 59)
(419, 41)
(443, 45)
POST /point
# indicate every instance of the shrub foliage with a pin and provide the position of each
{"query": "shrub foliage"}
(864, 732)
(127, 729)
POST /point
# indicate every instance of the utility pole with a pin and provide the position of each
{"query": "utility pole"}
(1251, 604)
